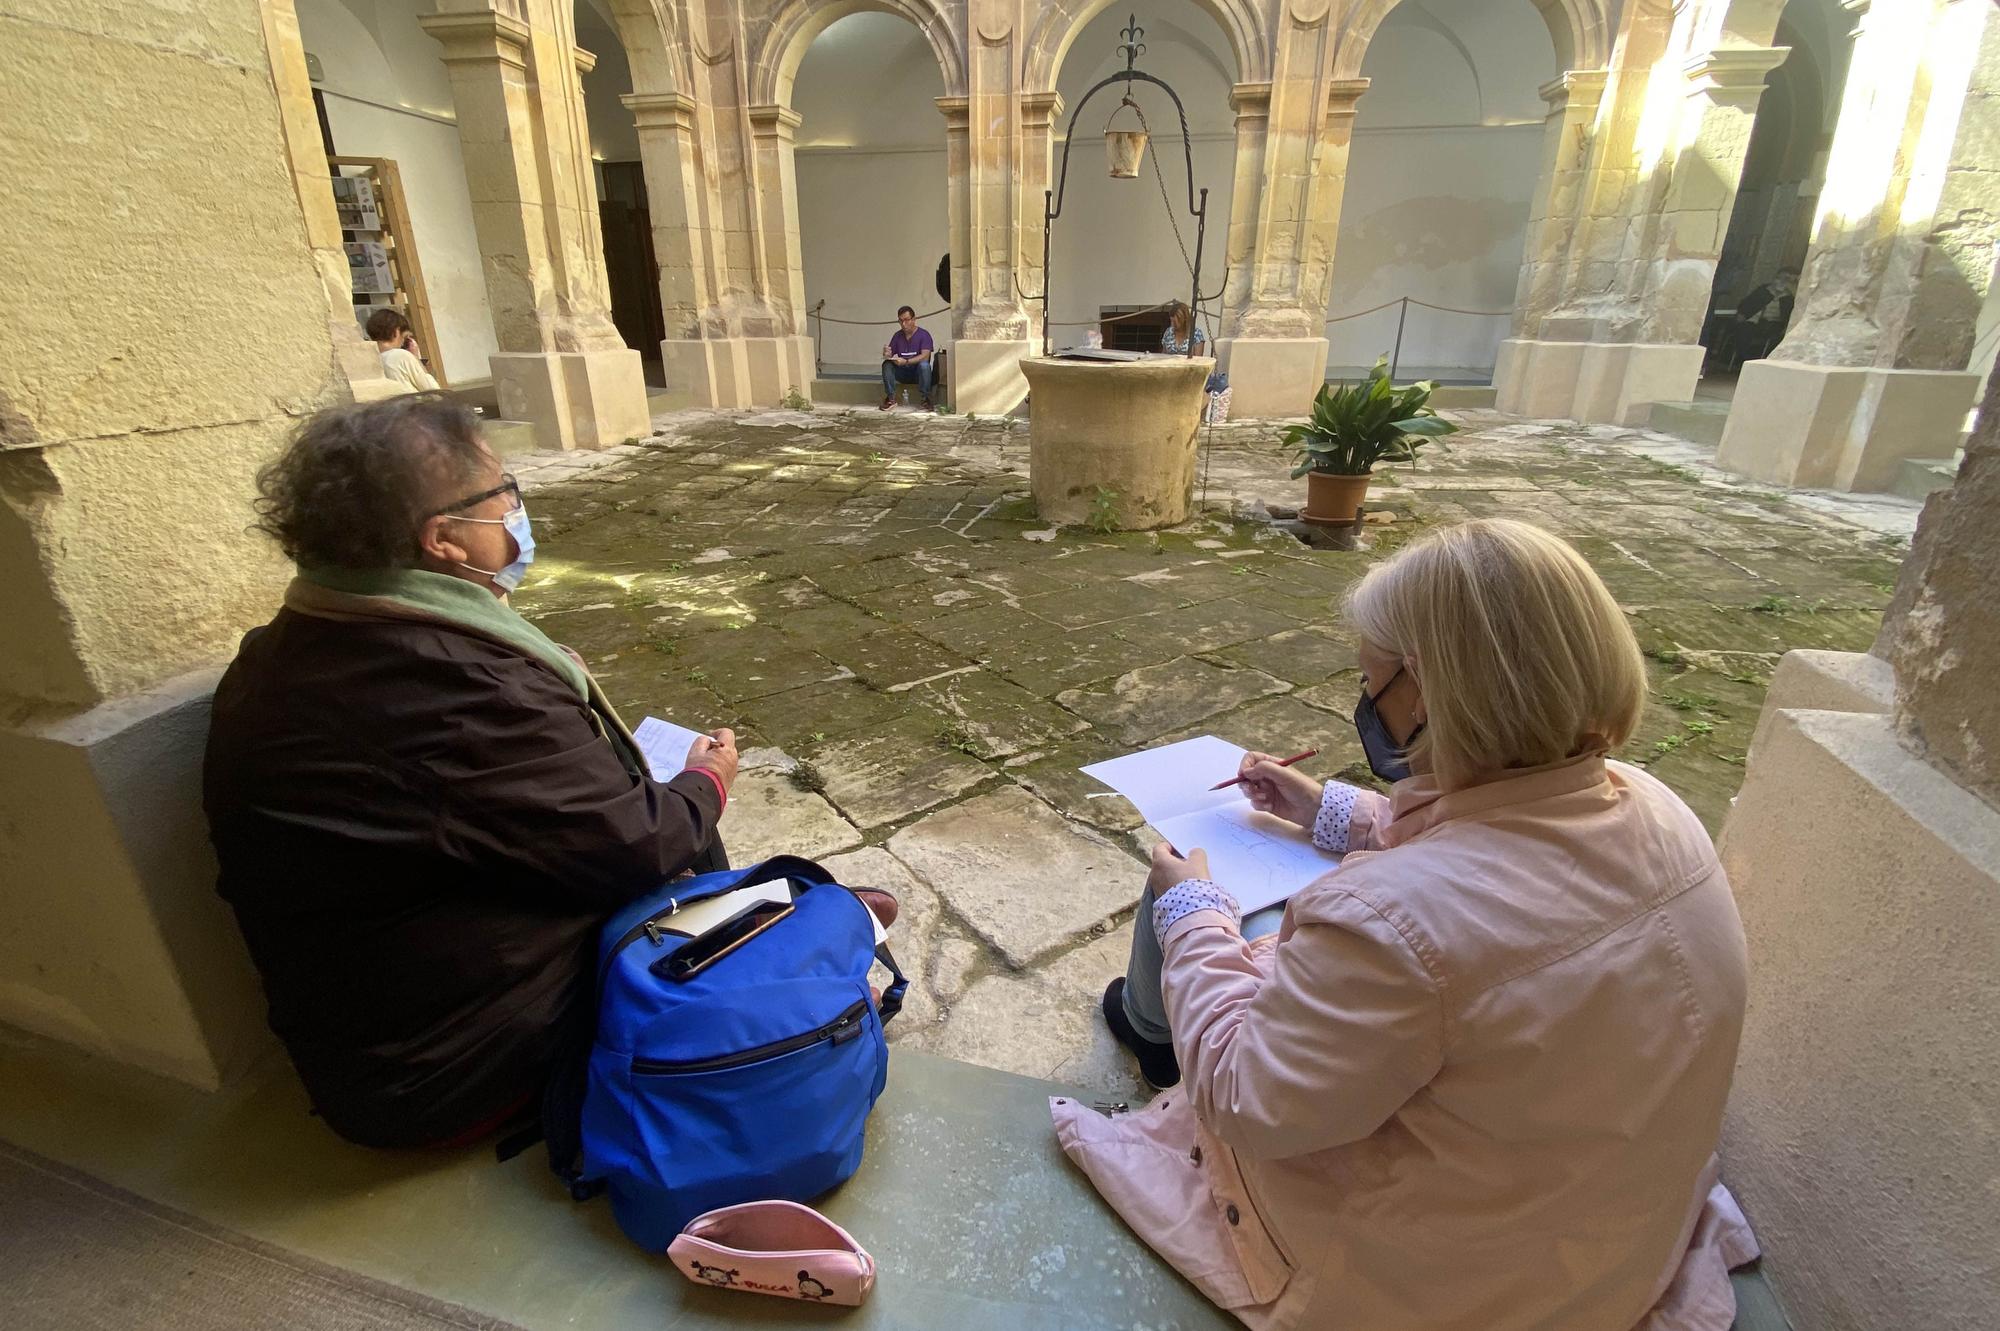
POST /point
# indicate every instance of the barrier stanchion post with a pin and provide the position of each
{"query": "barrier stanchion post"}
(1396, 357)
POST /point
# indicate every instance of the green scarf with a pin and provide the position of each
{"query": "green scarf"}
(412, 594)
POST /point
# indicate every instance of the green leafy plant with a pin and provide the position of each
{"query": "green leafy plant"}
(1103, 510)
(1355, 426)
(794, 400)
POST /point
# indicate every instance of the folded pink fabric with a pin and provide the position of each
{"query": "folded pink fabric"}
(779, 1248)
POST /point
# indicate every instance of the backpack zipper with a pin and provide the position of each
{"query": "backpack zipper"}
(835, 1030)
(650, 927)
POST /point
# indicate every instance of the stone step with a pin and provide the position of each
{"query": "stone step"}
(1699, 422)
(836, 390)
(1919, 476)
(1463, 397)
(509, 438)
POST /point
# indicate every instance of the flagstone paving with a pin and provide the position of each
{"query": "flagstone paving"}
(916, 666)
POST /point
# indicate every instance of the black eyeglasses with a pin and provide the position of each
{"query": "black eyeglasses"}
(507, 486)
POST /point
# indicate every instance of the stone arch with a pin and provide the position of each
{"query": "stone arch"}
(1580, 29)
(1056, 27)
(794, 24)
(654, 45)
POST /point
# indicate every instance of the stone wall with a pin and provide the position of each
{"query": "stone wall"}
(167, 325)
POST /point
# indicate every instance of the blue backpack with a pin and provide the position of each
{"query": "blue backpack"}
(751, 1078)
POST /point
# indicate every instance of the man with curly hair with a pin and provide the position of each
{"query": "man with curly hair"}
(423, 808)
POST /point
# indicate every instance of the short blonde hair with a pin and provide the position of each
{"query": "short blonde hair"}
(1523, 656)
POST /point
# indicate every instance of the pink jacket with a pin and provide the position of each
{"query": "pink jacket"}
(1475, 1080)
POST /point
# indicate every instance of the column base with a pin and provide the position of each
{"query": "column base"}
(986, 376)
(1272, 376)
(1873, 996)
(1598, 383)
(114, 938)
(776, 367)
(574, 399)
(1841, 427)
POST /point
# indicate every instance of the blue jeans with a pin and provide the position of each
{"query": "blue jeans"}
(918, 374)
(1145, 1006)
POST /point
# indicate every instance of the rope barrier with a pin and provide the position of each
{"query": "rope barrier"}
(1155, 309)
(873, 323)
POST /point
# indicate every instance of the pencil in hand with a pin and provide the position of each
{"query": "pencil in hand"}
(1283, 762)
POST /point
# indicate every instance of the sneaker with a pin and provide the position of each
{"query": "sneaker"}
(888, 404)
(1157, 1063)
(928, 406)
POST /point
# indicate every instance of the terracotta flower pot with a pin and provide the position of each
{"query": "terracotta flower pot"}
(1331, 498)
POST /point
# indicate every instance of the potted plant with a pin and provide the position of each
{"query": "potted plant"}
(1353, 427)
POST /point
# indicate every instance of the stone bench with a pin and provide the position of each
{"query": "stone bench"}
(976, 1220)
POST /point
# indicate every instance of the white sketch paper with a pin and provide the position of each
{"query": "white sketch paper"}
(1261, 860)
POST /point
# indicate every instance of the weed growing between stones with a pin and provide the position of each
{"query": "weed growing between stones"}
(1103, 517)
(794, 400)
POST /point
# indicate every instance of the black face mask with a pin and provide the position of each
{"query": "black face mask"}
(1385, 756)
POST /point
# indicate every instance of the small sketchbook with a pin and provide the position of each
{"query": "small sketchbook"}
(1260, 859)
(665, 746)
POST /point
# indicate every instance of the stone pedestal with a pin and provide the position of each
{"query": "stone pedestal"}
(1123, 430)
(713, 372)
(1272, 376)
(1861, 1136)
(1600, 383)
(574, 399)
(1841, 427)
(776, 367)
(112, 936)
(986, 376)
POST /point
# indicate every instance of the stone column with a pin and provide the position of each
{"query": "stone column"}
(1566, 138)
(561, 364)
(1292, 137)
(1642, 286)
(1874, 368)
(1665, 152)
(129, 450)
(989, 172)
(780, 355)
(1864, 851)
(1039, 112)
(355, 358)
(700, 361)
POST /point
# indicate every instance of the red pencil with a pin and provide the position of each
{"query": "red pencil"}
(1283, 762)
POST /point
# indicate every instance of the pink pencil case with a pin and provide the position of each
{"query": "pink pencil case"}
(778, 1248)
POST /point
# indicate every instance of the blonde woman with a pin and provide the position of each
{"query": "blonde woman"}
(1476, 1076)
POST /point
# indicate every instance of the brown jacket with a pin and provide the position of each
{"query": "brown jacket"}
(420, 831)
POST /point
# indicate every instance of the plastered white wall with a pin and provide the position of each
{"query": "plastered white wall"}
(874, 207)
(1447, 144)
(387, 95)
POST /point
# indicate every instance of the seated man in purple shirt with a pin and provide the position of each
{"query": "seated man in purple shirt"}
(907, 359)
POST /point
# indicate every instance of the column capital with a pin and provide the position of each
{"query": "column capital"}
(957, 112)
(484, 35)
(773, 120)
(1040, 108)
(1342, 94)
(585, 60)
(1730, 73)
(673, 110)
(1575, 87)
(1250, 101)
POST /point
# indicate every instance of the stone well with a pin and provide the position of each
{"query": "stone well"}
(1126, 428)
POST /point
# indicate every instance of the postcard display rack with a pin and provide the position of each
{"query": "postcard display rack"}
(381, 249)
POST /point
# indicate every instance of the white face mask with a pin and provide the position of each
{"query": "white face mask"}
(516, 523)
